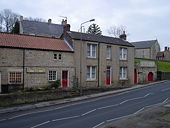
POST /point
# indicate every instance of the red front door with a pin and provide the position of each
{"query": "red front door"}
(135, 77)
(64, 79)
(150, 77)
(108, 76)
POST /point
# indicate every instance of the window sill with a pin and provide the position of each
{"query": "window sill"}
(123, 59)
(123, 79)
(89, 57)
(108, 59)
(91, 80)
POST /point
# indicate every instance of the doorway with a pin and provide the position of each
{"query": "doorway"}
(65, 79)
(150, 77)
(135, 77)
(108, 76)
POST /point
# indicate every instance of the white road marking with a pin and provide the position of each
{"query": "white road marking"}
(98, 125)
(109, 106)
(139, 110)
(166, 89)
(133, 113)
(66, 118)
(151, 106)
(118, 118)
(136, 98)
(165, 101)
(88, 112)
(40, 124)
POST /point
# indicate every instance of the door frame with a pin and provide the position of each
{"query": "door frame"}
(0, 83)
(110, 75)
(150, 73)
(135, 76)
(67, 78)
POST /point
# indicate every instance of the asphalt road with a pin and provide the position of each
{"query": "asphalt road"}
(94, 113)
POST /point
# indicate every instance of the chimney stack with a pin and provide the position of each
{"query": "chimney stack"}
(64, 22)
(49, 21)
(166, 48)
(123, 36)
(21, 18)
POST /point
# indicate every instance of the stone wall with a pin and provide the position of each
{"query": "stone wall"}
(38, 61)
(101, 63)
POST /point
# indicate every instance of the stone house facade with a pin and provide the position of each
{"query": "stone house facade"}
(102, 60)
(145, 71)
(96, 58)
(31, 61)
(146, 49)
(164, 55)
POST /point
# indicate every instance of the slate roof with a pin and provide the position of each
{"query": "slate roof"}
(33, 42)
(42, 28)
(98, 38)
(144, 44)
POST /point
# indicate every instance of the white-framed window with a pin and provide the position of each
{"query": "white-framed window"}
(123, 53)
(91, 72)
(52, 75)
(15, 78)
(108, 52)
(91, 50)
(123, 73)
(57, 56)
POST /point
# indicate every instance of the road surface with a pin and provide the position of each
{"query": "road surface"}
(94, 113)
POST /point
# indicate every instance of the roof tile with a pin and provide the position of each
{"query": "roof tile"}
(32, 42)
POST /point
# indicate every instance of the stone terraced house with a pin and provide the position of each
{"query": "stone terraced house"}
(30, 61)
(146, 49)
(102, 60)
(85, 59)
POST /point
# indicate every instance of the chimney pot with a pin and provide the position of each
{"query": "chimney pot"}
(64, 22)
(49, 21)
(21, 18)
(123, 36)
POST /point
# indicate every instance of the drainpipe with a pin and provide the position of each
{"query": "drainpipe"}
(23, 68)
(98, 63)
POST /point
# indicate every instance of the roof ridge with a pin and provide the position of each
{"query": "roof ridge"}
(26, 35)
(42, 22)
(143, 41)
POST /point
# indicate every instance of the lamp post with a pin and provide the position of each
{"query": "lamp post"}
(81, 46)
(84, 23)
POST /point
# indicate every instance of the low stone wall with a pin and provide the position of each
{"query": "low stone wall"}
(163, 75)
(39, 96)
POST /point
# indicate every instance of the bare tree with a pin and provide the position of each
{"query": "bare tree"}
(116, 31)
(8, 20)
(35, 19)
(1, 23)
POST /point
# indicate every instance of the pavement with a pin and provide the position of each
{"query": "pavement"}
(71, 100)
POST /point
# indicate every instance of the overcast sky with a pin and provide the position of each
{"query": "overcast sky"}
(144, 19)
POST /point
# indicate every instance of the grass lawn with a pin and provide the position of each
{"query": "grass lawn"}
(163, 66)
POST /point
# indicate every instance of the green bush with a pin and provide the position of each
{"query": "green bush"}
(55, 84)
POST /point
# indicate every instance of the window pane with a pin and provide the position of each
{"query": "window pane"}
(108, 49)
(93, 72)
(59, 56)
(55, 56)
(15, 77)
(88, 50)
(52, 76)
(93, 50)
(88, 72)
